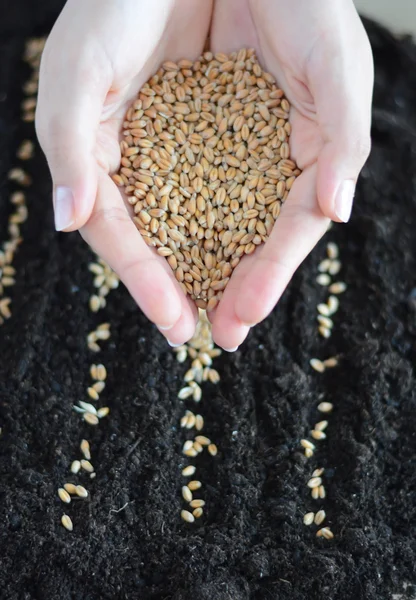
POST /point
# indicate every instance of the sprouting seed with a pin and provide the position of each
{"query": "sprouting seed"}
(90, 418)
(213, 450)
(103, 412)
(308, 518)
(194, 485)
(186, 494)
(323, 279)
(321, 426)
(332, 250)
(317, 365)
(88, 407)
(197, 513)
(93, 394)
(87, 466)
(320, 517)
(317, 434)
(70, 488)
(338, 287)
(199, 422)
(197, 503)
(307, 444)
(187, 516)
(64, 496)
(314, 482)
(85, 449)
(75, 466)
(325, 407)
(67, 523)
(188, 471)
(81, 491)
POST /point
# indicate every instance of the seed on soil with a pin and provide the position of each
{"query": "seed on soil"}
(98, 386)
(213, 450)
(308, 453)
(331, 362)
(320, 517)
(324, 310)
(307, 444)
(318, 472)
(103, 412)
(88, 407)
(338, 288)
(101, 373)
(75, 466)
(70, 488)
(323, 279)
(203, 170)
(314, 482)
(19, 176)
(333, 304)
(334, 267)
(317, 365)
(321, 426)
(81, 491)
(324, 265)
(90, 418)
(93, 371)
(308, 518)
(324, 332)
(317, 434)
(191, 420)
(187, 516)
(95, 303)
(203, 440)
(67, 523)
(25, 150)
(186, 494)
(325, 407)
(188, 471)
(197, 513)
(325, 532)
(191, 452)
(332, 250)
(199, 422)
(315, 493)
(321, 491)
(87, 466)
(4, 306)
(93, 394)
(194, 485)
(85, 449)
(185, 393)
(64, 496)
(198, 447)
(197, 503)
(325, 321)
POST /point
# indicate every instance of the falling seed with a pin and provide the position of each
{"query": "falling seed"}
(197, 513)
(317, 365)
(70, 488)
(307, 444)
(90, 418)
(308, 518)
(101, 373)
(67, 523)
(93, 394)
(187, 516)
(87, 466)
(321, 425)
(197, 503)
(81, 491)
(333, 304)
(323, 309)
(194, 485)
(318, 435)
(188, 471)
(199, 422)
(324, 265)
(213, 450)
(85, 449)
(203, 440)
(324, 332)
(103, 412)
(334, 267)
(314, 482)
(325, 407)
(338, 288)
(332, 250)
(320, 517)
(64, 496)
(325, 532)
(318, 472)
(323, 279)
(321, 491)
(331, 362)
(186, 494)
(75, 466)
(315, 493)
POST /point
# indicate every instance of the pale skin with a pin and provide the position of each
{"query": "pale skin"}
(100, 53)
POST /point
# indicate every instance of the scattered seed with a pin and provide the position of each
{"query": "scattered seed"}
(332, 250)
(194, 485)
(85, 449)
(314, 482)
(25, 151)
(95, 303)
(325, 532)
(338, 288)
(199, 422)
(321, 491)
(197, 503)
(99, 386)
(213, 450)
(325, 321)
(324, 310)
(81, 491)
(307, 444)
(67, 523)
(321, 426)
(323, 279)
(75, 466)
(308, 518)
(326, 333)
(325, 407)
(318, 435)
(334, 267)
(197, 513)
(333, 304)
(90, 418)
(186, 494)
(187, 516)
(101, 373)
(317, 365)
(188, 471)
(103, 412)
(308, 453)
(331, 362)
(315, 493)
(93, 394)
(204, 441)
(185, 393)
(198, 447)
(70, 488)
(320, 517)
(191, 420)
(64, 496)
(324, 265)
(87, 466)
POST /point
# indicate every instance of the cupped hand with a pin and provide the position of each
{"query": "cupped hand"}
(97, 57)
(321, 57)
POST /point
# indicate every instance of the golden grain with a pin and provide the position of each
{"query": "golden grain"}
(338, 287)
(67, 523)
(75, 466)
(314, 482)
(308, 518)
(81, 491)
(64, 496)
(317, 365)
(213, 450)
(194, 485)
(87, 466)
(85, 449)
(186, 493)
(187, 516)
(188, 471)
(90, 418)
(325, 407)
(318, 435)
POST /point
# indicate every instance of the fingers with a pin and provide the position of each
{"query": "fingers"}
(74, 80)
(340, 74)
(149, 279)
(296, 231)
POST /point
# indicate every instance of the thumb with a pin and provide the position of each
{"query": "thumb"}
(67, 118)
(341, 82)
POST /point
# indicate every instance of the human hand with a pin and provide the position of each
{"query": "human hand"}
(97, 57)
(321, 58)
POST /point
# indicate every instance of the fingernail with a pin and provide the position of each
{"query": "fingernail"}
(164, 328)
(231, 349)
(343, 200)
(64, 207)
(173, 345)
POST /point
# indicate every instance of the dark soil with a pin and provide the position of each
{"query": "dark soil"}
(251, 542)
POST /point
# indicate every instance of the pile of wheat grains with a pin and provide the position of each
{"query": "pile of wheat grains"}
(206, 165)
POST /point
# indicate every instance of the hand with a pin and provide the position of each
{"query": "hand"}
(96, 59)
(321, 57)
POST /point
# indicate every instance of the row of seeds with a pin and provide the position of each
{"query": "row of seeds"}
(98, 373)
(17, 175)
(328, 267)
(200, 349)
